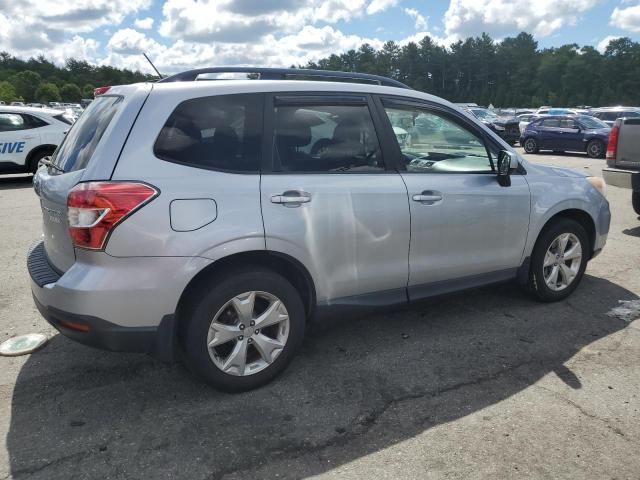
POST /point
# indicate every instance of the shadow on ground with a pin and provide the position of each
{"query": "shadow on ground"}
(13, 182)
(83, 413)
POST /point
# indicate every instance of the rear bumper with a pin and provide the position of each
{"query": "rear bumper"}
(118, 304)
(622, 178)
(99, 333)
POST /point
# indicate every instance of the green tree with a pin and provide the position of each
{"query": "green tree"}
(48, 92)
(26, 83)
(87, 91)
(7, 92)
(71, 92)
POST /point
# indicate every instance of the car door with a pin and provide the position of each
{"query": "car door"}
(466, 229)
(571, 137)
(17, 137)
(549, 136)
(330, 200)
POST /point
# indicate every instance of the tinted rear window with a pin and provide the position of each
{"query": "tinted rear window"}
(217, 133)
(83, 138)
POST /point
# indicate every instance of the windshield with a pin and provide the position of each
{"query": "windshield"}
(484, 114)
(592, 122)
(78, 146)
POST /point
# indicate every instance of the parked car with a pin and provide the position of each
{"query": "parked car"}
(561, 111)
(524, 120)
(17, 104)
(192, 215)
(623, 158)
(27, 135)
(610, 114)
(575, 133)
(506, 127)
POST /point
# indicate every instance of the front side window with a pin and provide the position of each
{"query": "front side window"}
(326, 139)
(216, 133)
(568, 123)
(10, 122)
(433, 142)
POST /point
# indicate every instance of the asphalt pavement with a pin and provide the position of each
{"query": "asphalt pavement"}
(482, 384)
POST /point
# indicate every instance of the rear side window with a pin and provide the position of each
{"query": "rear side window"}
(81, 141)
(326, 139)
(35, 122)
(217, 133)
(550, 122)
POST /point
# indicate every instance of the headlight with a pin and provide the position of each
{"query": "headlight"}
(599, 184)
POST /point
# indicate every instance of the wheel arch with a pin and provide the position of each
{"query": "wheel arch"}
(34, 152)
(581, 216)
(284, 264)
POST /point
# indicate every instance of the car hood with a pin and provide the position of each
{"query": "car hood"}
(601, 131)
(553, 171)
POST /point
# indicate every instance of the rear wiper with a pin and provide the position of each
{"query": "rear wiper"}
(46, 161)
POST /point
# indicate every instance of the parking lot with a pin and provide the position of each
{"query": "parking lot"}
(482, 384)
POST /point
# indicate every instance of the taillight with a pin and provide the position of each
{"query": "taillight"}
(95, 208)
(100, 91)
(612, 147)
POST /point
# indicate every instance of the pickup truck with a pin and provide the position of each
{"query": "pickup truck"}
(623, 158)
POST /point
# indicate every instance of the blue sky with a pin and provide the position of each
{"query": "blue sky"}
(180, 34)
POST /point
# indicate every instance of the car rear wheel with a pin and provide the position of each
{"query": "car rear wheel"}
(531, 145)
(559, 260)
(245, 330)
(635, 201)
(595, 149)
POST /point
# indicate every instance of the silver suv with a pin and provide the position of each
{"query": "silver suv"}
(217, 218)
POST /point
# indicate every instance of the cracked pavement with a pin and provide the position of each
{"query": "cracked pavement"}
(482, 384)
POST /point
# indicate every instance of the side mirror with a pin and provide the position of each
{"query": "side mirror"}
(505, 160)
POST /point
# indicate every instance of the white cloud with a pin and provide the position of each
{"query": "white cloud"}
(143, 23)
(626, 18)
(380, 5)
(602, 45)
(232, 21)
(503, 17)
(421, 22)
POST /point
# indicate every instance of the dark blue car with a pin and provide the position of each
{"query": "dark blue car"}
(572, 133)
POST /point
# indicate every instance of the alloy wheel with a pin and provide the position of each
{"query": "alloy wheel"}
(248, 333)
(562, 261)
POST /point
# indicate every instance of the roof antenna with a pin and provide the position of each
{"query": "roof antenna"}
(154, 67)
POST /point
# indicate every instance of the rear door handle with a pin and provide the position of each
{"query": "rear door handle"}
(291, 198)
(428, 197)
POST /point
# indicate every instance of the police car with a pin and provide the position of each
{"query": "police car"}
(27, 135)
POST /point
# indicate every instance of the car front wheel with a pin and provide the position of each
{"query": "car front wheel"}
(559, 260)
(595, 149)
(245, 330)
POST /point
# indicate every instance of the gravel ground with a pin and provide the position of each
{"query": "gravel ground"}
(483, 384)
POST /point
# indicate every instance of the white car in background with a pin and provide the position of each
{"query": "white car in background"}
(27, 135)
(524, 118)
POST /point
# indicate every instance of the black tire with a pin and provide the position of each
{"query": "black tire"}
(635, 201)
(212, 299)
(595, 149)
(35, 159)
(531, 145)
(536, 283)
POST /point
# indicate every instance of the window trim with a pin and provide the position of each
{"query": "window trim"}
(450, 114)
(261, 131)
(337, 98)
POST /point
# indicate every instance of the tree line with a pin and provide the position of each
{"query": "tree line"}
(39, 80)
(513, 72)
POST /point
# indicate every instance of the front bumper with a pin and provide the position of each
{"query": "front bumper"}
(117, 304)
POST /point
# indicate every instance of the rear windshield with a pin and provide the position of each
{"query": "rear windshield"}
(83, 138)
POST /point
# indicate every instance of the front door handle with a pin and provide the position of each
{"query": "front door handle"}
(428, 197)
(28, 137)
(291, 198)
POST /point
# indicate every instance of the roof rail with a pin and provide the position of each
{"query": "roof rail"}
(282, 74)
